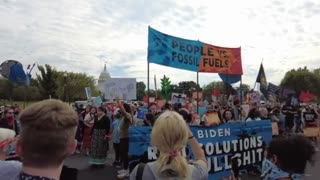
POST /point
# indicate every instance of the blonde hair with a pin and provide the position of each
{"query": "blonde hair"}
(170, 134)
(48, 130)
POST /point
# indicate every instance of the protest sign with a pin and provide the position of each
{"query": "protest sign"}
(311, 131)
(192, 55)
(141, 112)
(97, 101)
(213, 118)
(178, 98)
(124, 88)
(202, 110)
(247, 141)
(245, 110)
(88, 92)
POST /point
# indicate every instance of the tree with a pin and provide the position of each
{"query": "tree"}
(207, 89)
(6, 89)
(165, 87)
(302, 79)
(47, 81)
(72, 86)
(244, 87)
(141, 87)
(175, 89)
(187, 87)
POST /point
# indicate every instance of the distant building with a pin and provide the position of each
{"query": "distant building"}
(104, 76)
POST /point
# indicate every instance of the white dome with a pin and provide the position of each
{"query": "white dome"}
(104, 76)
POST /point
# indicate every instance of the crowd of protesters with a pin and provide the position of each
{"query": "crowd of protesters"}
(94, 127)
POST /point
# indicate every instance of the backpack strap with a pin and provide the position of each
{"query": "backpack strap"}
(140, 171)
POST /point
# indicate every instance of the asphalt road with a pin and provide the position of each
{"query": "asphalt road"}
(110, 173)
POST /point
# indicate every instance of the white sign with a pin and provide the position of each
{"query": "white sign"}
(177, 98)
(124, 88)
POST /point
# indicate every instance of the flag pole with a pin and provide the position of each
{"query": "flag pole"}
(197, 92)
(148, 93)
(241, 100)
(155, 86)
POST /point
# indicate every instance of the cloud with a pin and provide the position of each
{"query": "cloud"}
(80, 35)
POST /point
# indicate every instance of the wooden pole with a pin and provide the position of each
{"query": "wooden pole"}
(197, 89)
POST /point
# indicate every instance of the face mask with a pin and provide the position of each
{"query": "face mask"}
(271, 172)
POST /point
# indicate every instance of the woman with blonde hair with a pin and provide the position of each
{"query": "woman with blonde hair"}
(170, 136)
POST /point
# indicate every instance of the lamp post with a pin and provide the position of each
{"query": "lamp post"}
(64, 86)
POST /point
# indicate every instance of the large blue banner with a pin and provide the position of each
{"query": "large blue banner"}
(245, 140)
(173, 51)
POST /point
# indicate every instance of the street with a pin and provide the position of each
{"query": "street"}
(108, 172)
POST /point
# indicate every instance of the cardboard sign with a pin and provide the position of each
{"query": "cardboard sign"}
(213, 118)
(178, 98)
(311, 132)
(124, 88)
(141, 112)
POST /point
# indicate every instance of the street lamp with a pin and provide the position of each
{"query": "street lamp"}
(64, 86)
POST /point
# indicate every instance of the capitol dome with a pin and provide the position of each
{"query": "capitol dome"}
(104, 76)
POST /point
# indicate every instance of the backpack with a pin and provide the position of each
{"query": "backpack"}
(140, 171)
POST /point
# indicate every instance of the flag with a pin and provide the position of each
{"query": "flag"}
(261, 78)
(306, 96)
(215, 95)
(230, 78)
(273, 89)
(230, 89)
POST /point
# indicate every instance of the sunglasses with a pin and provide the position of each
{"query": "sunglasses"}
(10, 112)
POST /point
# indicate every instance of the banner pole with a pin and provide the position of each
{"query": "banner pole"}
(241, 100)
(148, 93)
(197, 92)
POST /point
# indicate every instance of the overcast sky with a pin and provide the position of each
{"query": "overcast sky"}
(80, 35)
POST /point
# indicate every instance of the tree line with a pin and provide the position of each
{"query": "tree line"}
(69, 86)
(49, 83)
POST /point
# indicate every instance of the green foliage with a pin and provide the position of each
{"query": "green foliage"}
(50, 82)
(207, 89)
(70, 86)
(6, 89)
(244, 87)
(47, 81)
(302, 79)
(187, 87)
(165, 87)
(141, 87)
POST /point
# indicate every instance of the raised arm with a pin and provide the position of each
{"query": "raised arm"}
(196, 149)
(123, 111)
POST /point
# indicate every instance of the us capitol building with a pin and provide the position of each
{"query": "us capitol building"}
(104, 76)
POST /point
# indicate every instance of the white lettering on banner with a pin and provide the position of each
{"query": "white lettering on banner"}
(153, 153)
(248, 150)
(221, 163)
(211, 133)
